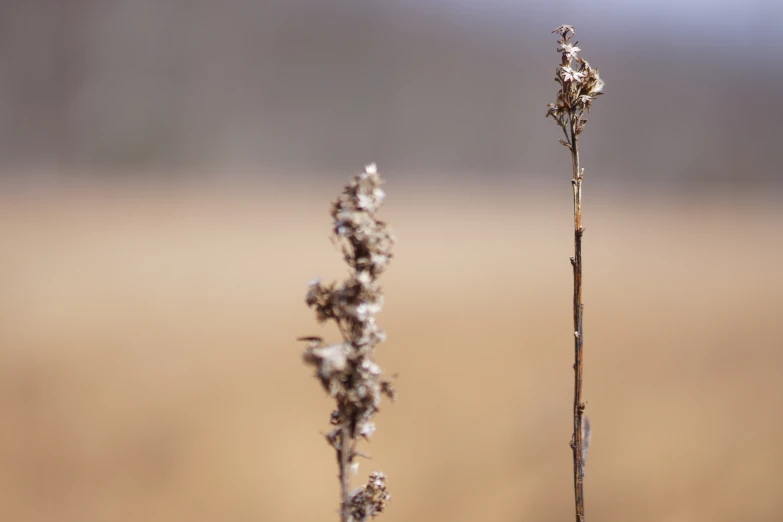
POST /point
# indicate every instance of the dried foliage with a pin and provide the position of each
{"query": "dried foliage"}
(347, 370)
(579, 84)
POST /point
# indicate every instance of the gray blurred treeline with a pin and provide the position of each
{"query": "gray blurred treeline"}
(304, 84)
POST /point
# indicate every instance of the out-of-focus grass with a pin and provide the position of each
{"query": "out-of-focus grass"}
(148, 368)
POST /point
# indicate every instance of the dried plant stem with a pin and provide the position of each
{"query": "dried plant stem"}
(577, 442)
(580, 85)
(343, 461)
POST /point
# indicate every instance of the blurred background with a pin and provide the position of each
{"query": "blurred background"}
(166, 174)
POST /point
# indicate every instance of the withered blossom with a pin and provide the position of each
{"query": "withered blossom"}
(347, 370)
(571, 75)
(569, 50)
(370, 499)
(579, 84)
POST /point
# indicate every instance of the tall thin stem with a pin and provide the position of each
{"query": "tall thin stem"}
(579, 84)
(577, 442)
(344, 447)
(344, 452)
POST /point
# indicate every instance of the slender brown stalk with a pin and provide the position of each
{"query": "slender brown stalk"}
(579, 86)
(344, 462)
(577, 444)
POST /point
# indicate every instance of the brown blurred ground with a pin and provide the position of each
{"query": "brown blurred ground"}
(148, 368)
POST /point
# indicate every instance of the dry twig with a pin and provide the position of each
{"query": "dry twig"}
(579, 86)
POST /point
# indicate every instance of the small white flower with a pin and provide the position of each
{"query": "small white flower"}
(599, 84)
(569, 74)
(365, 202)
(378, 479)
(332, 358)
(367, 429)
(569, 50)
(361, 391)
(362, 311)
(365, 311)
(379, 260)
(372, 168)
(371, 367)
(363, 277)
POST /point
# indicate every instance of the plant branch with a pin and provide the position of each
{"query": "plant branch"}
(577, 442)
(344, 457)
(580, 85)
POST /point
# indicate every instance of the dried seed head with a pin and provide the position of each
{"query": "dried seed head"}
(370, 499)
(565, 32)
(579, 84)
(331, 364)
(347, 370)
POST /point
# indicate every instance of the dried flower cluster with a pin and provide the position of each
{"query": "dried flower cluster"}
(347, 370)
(370, 499)
(579, 83)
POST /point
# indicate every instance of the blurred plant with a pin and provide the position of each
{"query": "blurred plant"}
(347, 370)
(579, 86)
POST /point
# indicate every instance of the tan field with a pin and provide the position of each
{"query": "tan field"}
(149, 368)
